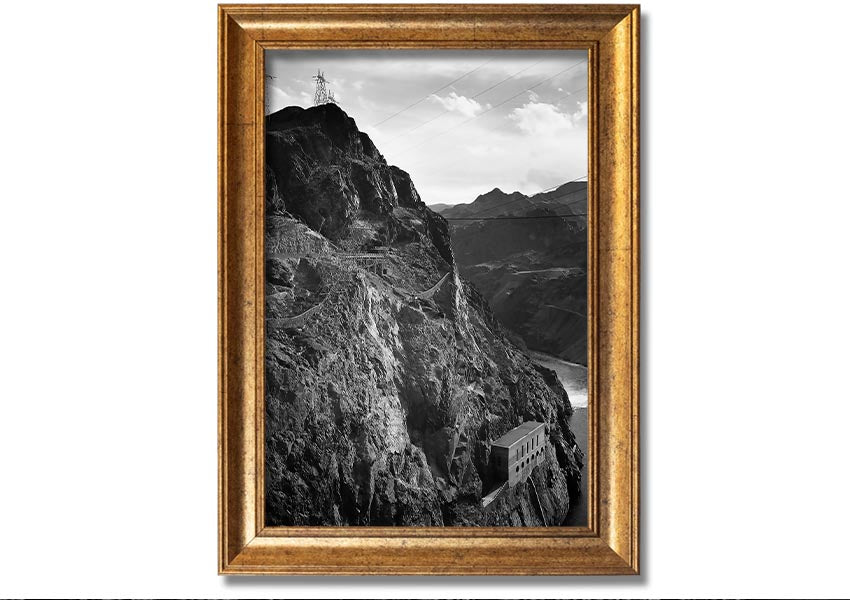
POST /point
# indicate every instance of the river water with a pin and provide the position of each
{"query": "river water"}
(574, 379)
(573, 376)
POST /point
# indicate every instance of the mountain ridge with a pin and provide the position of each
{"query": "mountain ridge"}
(567, 198)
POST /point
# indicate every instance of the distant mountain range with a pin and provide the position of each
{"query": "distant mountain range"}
(569, 198)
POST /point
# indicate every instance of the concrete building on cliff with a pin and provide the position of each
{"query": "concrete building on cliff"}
(515, 454)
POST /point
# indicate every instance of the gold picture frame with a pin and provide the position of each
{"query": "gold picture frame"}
(610, 543)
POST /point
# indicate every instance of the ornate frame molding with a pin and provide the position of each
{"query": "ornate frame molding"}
(610, 544)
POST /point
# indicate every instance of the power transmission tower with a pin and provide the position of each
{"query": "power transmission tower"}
(323, 95)
(268, 79)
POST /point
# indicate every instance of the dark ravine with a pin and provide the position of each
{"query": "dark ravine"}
(381, 400)
(533, 272)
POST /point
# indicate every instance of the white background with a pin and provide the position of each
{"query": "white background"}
(108, 308)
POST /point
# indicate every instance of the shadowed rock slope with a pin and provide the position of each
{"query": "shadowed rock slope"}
(531, 267)
(387, 376)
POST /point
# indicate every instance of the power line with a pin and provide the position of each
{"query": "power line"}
(392, 116)
(584, 189)
(515, 218)
(481, 93)
(555, 187)
(423, 142)
(481, 114)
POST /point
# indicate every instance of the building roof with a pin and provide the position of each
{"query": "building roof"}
(516, 434)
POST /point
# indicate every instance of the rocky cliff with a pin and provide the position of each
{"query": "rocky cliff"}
(387, 376)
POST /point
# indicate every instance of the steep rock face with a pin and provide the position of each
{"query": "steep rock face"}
(385, 386)
(328, 173)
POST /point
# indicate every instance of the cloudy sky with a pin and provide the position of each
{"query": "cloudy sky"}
(460, 122)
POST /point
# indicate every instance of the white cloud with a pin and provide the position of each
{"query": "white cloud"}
(582, 111)
(459, 104)
(277, 98)
(540, 118)
(542, 179)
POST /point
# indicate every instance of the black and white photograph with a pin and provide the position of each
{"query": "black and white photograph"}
(426, 259)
